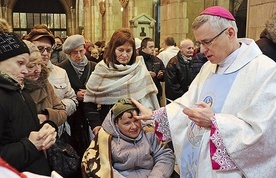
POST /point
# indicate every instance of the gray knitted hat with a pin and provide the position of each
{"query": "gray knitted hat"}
(72, 42)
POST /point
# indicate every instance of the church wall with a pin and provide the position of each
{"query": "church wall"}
(258, 13)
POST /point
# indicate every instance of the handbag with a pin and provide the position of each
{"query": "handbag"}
(63, 158)
(65, 137)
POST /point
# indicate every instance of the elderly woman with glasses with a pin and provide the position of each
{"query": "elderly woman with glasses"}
(79, 70)
(49, 106)
(43, 39)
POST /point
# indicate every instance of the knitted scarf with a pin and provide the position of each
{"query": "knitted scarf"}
(79, 66)
(106, 84)
(32, 85)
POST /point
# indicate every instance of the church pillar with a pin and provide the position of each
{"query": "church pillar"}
(174, 22)
(258, 13)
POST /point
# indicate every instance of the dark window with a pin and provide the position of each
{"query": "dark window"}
(28, 13)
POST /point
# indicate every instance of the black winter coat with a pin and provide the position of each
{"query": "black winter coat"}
(18, 117)
(77, 121)
(154, 64)
(267, 46)
(180, 74)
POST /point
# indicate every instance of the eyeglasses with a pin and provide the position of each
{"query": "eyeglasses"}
(208, 43)
(42, 49)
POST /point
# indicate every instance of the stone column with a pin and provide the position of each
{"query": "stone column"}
(113, 18)
(73, 18)
(87, 19)
(174, 21)
(258, 13)
(129, 12)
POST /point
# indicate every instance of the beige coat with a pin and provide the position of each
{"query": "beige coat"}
(46, 100)
(59, 80)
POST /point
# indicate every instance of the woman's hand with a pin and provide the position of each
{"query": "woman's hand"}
(44, 138)
(96, 130)
(42, 118)
(201, 114)
(145, 113)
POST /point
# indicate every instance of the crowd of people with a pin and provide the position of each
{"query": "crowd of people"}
(108, 99)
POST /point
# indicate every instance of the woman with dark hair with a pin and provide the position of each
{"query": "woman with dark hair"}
(120, 74)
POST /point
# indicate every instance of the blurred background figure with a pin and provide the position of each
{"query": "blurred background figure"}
(169, 50)
(156, 51)
(154, 65)
(58, 55)
(95, 55)
(137, 45)
(89, 47)
(100, 45)
(267, 41)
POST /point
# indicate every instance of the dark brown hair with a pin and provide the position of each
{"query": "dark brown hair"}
(119, 37)
(169, 41)
(145, 42)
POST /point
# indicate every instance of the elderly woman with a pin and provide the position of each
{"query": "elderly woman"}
(22, 138)
(49, 106)
(119, 74)
(78, 69)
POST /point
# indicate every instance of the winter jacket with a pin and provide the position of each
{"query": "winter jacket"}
(58, 55)
(267, 46)
(77, 121)
(76, 82)
(142, 157)
(18, 117)
(154, 64)
(45, 98)
(58, 78)
(180, 72)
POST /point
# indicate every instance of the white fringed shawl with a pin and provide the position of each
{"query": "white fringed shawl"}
(106, 84)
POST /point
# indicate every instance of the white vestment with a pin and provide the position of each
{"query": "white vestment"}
(247, 121)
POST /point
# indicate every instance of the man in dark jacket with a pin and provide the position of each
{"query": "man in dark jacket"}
(154, 65)
(181, 70)
(267, 41)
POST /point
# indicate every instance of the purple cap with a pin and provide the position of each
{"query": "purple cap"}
(218, 11)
